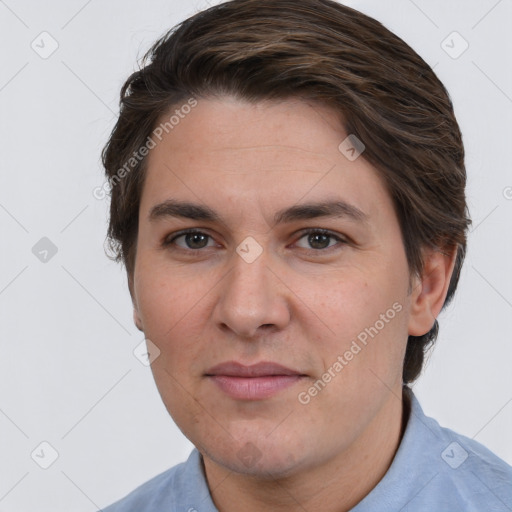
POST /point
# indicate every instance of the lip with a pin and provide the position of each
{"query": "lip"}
(262, 369)
(254, 382)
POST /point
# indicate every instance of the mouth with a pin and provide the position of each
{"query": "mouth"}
(254, 382)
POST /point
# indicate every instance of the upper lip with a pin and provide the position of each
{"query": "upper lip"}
(262, 369)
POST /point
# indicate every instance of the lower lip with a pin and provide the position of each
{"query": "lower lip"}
(254, 388)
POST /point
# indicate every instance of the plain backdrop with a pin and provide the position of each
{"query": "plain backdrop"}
(69, 377)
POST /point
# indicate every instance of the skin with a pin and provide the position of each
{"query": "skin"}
(298, 304)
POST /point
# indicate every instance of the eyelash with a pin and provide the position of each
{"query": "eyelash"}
(170, 241)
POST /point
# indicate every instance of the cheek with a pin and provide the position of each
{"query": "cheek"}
(365, 314)
(173, 317)
(163, 296)
(175, 308)
(353, 303)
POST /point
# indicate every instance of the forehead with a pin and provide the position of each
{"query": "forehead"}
(263, 155)
(214, 124)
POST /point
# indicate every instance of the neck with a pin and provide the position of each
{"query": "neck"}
(336, 486)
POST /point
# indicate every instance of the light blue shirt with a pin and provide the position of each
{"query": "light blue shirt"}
(434, 470)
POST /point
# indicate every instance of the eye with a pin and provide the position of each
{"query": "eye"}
(193, 239)
(319, 239)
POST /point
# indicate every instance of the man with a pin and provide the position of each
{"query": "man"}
(287, 185)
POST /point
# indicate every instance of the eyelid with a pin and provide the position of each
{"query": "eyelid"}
(323, 231)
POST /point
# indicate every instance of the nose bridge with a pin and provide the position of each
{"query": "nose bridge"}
(249, 275)
(247, 286)
(249, 297)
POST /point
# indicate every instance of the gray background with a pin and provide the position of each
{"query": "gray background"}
(68, 373)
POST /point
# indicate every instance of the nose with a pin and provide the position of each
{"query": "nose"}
(252, 298)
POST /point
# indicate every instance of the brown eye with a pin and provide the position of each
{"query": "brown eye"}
(193, 240)
(320, 239)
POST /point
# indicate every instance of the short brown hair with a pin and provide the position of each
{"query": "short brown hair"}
(316, 50)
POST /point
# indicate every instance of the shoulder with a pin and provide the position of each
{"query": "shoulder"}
(475, 473)
(168, 489)
(146, 496)
(464, 473)
(437, 469)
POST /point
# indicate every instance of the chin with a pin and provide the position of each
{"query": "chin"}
(268, 461)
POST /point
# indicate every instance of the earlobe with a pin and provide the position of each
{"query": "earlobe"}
(136, 320)
(429, 291)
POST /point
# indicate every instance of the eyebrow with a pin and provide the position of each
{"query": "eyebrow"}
(304, 211)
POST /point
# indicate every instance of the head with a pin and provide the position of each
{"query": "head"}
(246, 110)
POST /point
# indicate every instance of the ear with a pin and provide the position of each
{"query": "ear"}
(136, 317)
(429, 291)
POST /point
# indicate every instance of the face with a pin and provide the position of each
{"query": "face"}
(318, 296)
